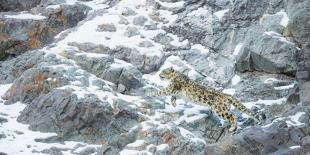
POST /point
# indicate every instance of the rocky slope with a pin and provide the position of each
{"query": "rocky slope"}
(74, 74)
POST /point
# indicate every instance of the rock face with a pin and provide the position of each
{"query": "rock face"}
(24, 31)
(80, 71)
(79, 119)
(19, 5)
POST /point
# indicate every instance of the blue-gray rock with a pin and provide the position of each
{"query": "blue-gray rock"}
(17, 5)
(140, 20)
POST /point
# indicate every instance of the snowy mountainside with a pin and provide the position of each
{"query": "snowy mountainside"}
(74, 75)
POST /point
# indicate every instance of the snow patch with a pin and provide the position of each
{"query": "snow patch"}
(137, 143)
(178, 4)
(235, 80)
(220, 14)
(199, 12)
(278, 36)
(25, 16)
(230, 91)
(265, 102)
(237, 49)
(200, 48)
(294, 119)
(285, 87)
(284, 21)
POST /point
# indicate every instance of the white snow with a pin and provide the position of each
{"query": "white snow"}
(285, 87)
(4, 88)
(96, 4)
(265, 102)
(295, 147)
(200, 48)
(294, 119)
(171, 5)
(271, 80)
(133, 152)
(137, 143)
(19, 139)
(290, 120)
(187, 134)
(237, 49)
(199, 12)
(26, 16)
(235, 80)
(230, 91)
(278, 36)
(284, 21)
(220, 14)
(53, 6)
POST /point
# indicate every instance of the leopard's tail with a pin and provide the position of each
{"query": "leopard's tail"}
(244, 109)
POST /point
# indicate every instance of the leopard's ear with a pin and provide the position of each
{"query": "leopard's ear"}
(171, 69)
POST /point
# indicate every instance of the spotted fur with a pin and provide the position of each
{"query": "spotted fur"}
(182, 86)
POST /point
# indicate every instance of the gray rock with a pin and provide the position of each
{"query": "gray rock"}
(3, 120)
(106, 27)
(46, 3)
(144, 63)
(254, 86)
(19, 35)
(128, 12)
(131, 31)
(271, 23)
(218, 67)
(17, 5)
(145, 44)
(33, 83)
(12, 69)
(102, 67)
(298, 27)
(87, 119)
(269, 52)
(150, 26)
(273, 139)
(305, 93)
(123, 21)
(140, 20)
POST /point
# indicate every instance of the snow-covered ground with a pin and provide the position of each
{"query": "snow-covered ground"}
(20, 140)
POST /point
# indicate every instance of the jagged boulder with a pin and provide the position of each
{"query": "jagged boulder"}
(73, 117)
(17, 5)
(24, 31)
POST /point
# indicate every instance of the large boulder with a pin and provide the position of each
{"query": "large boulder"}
(23, 31)
(285, 135)
(17, 5)
(124, 75)
(87, 118)
(269, 52)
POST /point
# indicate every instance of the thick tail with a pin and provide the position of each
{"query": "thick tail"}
(244, 109)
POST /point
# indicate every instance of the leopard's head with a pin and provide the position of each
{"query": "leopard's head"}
(168, 73)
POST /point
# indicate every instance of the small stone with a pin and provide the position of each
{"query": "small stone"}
(131, 31)
(140, 20)
(128, 12)
(106, 27)
(123, 21)
(145, 44)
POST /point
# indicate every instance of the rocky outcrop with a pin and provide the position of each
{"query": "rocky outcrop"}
(17, 5)
(23, 31)
(82, 69)
(279, 137)
(86, 119)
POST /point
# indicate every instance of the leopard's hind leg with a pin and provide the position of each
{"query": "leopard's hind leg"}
(223, 111)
